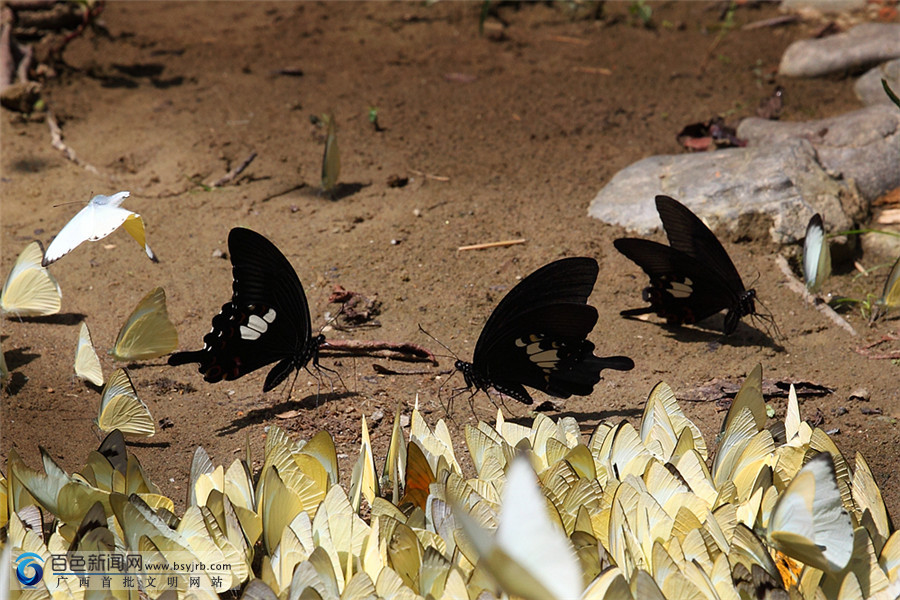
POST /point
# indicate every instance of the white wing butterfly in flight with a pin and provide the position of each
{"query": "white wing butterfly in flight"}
(148, 332)
(98, 219)
(530, 556)
(30, 290)
(120, 408)
(87, 364)
(809, 522)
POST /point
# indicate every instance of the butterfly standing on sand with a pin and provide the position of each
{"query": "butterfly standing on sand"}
(536, 336)
(267, 319)
(98, 219)
(693, 277)
(30, 290)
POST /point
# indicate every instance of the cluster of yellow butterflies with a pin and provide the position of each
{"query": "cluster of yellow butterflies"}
(31, 290)
(629, 513)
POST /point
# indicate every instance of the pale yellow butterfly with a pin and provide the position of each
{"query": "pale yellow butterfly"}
(120, 407)
(30, 290)
(147, 333)
(87, 364)
(331, 159)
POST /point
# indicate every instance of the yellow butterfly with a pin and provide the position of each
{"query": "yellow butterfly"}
(120, 408)
(147, 333)
(98, 219)
(87, 365)
(890, 297)
(30, 290)
(331, 160)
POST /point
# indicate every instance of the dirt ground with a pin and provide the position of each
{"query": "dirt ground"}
(503, 135)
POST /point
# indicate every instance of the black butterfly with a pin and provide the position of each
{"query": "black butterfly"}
(692, 278)
(267, 319)
(536, 336)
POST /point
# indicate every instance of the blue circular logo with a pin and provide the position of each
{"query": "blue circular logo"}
(29, 560)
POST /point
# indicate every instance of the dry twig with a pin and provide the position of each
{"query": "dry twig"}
(232, 174)
(57, 142)
(406, 351)
(501, 244)
(798, 287)
(429, 175)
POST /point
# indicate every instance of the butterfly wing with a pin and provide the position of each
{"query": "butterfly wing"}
(536, 335)
(30, 290)
(331, 160)
(267, 319)
(120, 408)
(87, 364)
(98, 219)
(809, 522)
(682, 289)
(816, 255)
(688, 234)
(890, 297)
(148, 332)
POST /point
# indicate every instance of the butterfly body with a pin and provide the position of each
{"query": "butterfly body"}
(266, 321)
(536, 337)
(693, 277)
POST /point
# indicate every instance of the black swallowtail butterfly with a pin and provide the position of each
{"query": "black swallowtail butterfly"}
(692, 278)
(536, 336)
(266, 321)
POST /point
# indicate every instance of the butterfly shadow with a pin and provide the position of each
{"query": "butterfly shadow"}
(343, 190)
(266, 414)
(57, 319)
(709, 331)
(137, 444)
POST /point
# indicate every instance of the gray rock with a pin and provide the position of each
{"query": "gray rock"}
(868, 87)
(863, 145)
(863, 46)
(765, 192)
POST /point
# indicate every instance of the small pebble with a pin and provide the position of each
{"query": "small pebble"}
(404, 420)
(377, 416)
(218, 253)
(840, 411)
(861, 394)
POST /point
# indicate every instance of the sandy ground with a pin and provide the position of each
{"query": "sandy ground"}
(505, 135)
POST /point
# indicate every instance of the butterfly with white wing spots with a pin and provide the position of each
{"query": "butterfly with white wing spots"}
(266, 321)
(693, 277)
(536, 337)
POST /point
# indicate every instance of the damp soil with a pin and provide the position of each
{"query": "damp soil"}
(502, 135)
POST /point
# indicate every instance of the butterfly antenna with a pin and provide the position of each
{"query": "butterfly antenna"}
(67, 203)
(439, 342)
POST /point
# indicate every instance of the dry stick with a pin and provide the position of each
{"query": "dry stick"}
(429, 175)
(773, 22)
(229, 177)
(865, 350)
(406, 351)
(502, 244)
(798, 287)
(56, 142)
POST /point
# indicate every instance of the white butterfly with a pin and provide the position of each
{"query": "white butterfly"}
(816, 255)
(87, 364)
(809, 522)
(98, 219)
(30, 290)
(120, 408)
(530, 556)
